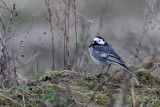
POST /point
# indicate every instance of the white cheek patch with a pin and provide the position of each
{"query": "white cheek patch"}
(99, 41)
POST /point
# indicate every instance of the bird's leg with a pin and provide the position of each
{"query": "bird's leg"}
(108, 68)
(101, 71)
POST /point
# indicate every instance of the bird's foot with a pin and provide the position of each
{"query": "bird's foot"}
(106, 74)
(98, 76)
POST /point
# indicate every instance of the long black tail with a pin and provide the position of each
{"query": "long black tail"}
(123, 65)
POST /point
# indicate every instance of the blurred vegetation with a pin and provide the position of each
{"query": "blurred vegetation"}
(41, 35)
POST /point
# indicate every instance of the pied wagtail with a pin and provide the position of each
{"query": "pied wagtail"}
(103, 54)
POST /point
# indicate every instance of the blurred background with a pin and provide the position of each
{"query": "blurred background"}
(131, 27)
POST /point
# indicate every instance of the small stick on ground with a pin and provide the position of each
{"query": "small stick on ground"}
(11, 100)
(100, 86)
(23, 101)
(133, 94)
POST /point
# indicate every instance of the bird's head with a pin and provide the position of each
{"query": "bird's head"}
(99, 40)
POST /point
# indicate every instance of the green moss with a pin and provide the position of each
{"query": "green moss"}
(61, 87)
(101, 99)
(47, 86)
(88, 94)
(41, 74)
(147, 77)
(79, 87)
(57, 72)
(80, 96)
(76, 87)
(4, 102)
(62, 102)
(150, 100)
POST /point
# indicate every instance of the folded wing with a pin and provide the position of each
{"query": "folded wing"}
(108, 53)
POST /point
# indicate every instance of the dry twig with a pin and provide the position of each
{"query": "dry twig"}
(47, 4)
(11, 100)
(100, 86)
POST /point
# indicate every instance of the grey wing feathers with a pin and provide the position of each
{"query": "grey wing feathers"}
(103, 54)
(114, 54)
(108, 53)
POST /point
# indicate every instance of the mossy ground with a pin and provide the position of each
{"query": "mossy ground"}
(63, 88)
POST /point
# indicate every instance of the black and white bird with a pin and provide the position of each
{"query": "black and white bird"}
(103, 54)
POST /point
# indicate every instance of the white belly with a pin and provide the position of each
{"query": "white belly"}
(96, 60)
